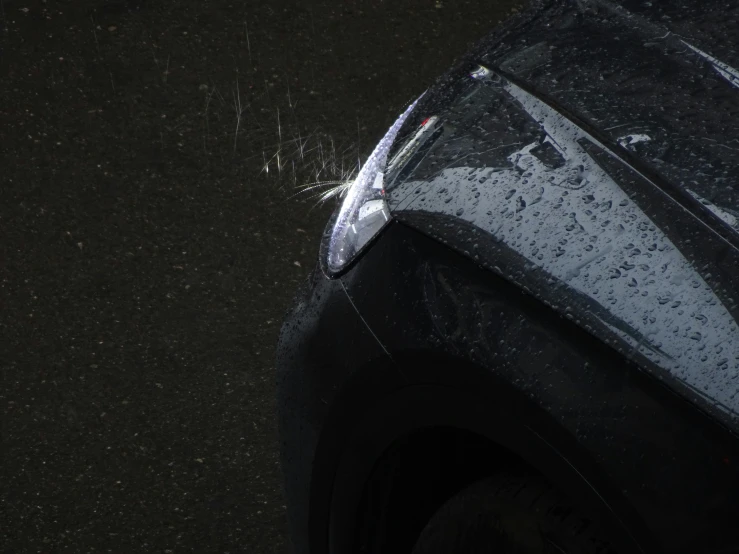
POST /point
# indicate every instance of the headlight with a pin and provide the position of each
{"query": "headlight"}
(363, 212)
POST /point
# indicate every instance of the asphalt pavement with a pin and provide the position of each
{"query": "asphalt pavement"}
(151, 239)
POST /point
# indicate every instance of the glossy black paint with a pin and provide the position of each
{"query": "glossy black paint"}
(603, 198)
(666, 473)
(553, 281)
(322, 341)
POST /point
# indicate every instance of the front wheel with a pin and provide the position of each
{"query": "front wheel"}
(511, 514)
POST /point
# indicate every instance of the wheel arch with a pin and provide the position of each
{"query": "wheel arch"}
(378, 425)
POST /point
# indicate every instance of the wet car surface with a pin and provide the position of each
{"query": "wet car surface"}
(635, 212)
(552, 228)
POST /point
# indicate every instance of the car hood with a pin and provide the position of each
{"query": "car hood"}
(588, 152)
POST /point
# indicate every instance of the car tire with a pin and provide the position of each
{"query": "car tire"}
(511, 513)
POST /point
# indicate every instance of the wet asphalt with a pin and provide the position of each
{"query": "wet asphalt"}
(151, 239)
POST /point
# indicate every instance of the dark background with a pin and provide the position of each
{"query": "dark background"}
(147, 254)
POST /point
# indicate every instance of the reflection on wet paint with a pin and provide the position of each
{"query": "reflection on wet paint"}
(726, 71)
(628, 141)
(722, 214)
(567, 216)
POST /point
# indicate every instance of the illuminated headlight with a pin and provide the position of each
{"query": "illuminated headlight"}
(363, 212)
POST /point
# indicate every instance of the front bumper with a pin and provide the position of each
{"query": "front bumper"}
(322, 342)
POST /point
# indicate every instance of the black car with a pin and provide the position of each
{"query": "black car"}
(522, 334)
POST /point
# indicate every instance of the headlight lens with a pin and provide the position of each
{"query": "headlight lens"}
(363, 212)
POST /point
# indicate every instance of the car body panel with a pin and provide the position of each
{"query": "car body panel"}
(626, 228)
(601, 347)
(315, 358)
(655, 448)
(667, 473)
